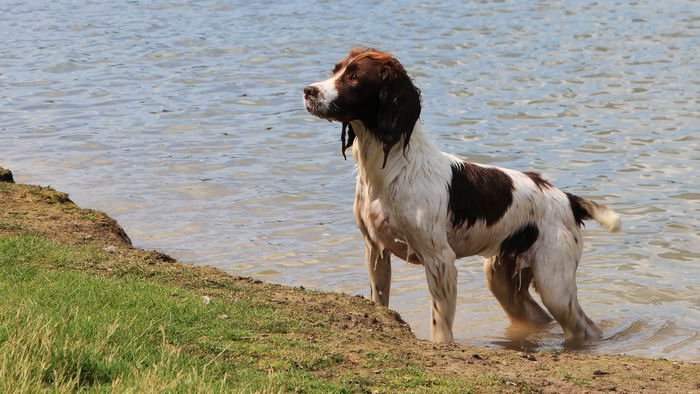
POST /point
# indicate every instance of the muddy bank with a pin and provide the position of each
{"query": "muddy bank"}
(372, 348)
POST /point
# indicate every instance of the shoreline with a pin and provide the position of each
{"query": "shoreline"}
(358, 346)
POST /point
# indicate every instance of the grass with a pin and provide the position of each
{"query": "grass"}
(579, 382)
(64, 331)
(84, 311)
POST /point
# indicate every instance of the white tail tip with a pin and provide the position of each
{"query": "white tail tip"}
(609, 219)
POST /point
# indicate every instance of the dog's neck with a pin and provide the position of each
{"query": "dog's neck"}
(369, 155)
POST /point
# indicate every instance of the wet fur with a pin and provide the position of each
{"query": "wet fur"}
(430, 208)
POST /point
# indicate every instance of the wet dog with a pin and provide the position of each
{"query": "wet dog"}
(430, 208)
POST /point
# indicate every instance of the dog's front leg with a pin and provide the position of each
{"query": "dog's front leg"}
(379, 267)
(442, 282)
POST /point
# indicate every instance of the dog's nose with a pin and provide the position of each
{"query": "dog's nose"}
(311, 91)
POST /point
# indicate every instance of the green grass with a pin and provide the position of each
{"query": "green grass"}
(576, 381)
(76, 318)
(63, 330)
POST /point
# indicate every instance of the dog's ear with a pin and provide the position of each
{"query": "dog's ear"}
(399, 107)
(350, 138)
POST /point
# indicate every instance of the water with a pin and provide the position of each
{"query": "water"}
(184, 121)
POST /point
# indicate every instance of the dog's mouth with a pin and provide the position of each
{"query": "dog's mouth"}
(317, 109)
(322, 110)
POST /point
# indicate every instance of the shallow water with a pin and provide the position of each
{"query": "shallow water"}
(184, 121)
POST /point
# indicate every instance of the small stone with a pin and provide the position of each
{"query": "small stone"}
(223, 316)
(478, 357)
(6, 176)
(110, 249)
(206, 300)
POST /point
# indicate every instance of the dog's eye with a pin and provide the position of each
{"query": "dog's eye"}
(353, 77)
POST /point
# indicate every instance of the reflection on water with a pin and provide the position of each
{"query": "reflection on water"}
(184, 121)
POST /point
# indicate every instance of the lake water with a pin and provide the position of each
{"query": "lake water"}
(184, 121)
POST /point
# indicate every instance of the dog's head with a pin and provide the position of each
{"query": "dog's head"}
(372, 87)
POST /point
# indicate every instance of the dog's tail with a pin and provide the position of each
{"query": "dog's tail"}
(586, 209)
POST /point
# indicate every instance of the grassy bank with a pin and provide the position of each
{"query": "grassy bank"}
(84, 310)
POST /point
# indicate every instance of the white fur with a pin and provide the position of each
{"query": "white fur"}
(328, 89)
(402, 209)
(606, 217)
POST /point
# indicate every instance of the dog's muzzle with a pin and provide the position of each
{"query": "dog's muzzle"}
(313, 101)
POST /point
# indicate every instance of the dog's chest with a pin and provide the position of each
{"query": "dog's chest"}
(381, 224)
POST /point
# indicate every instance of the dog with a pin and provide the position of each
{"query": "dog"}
(430, 208)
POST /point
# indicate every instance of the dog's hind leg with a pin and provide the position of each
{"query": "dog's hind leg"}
(554, 270)
(441, 273)
(379, 267)
(511, 289)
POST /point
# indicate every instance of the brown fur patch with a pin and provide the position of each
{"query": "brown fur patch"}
(478, 193)
(578, 209)
(539, 181)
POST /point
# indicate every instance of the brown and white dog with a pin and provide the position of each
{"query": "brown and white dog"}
(430, 208)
